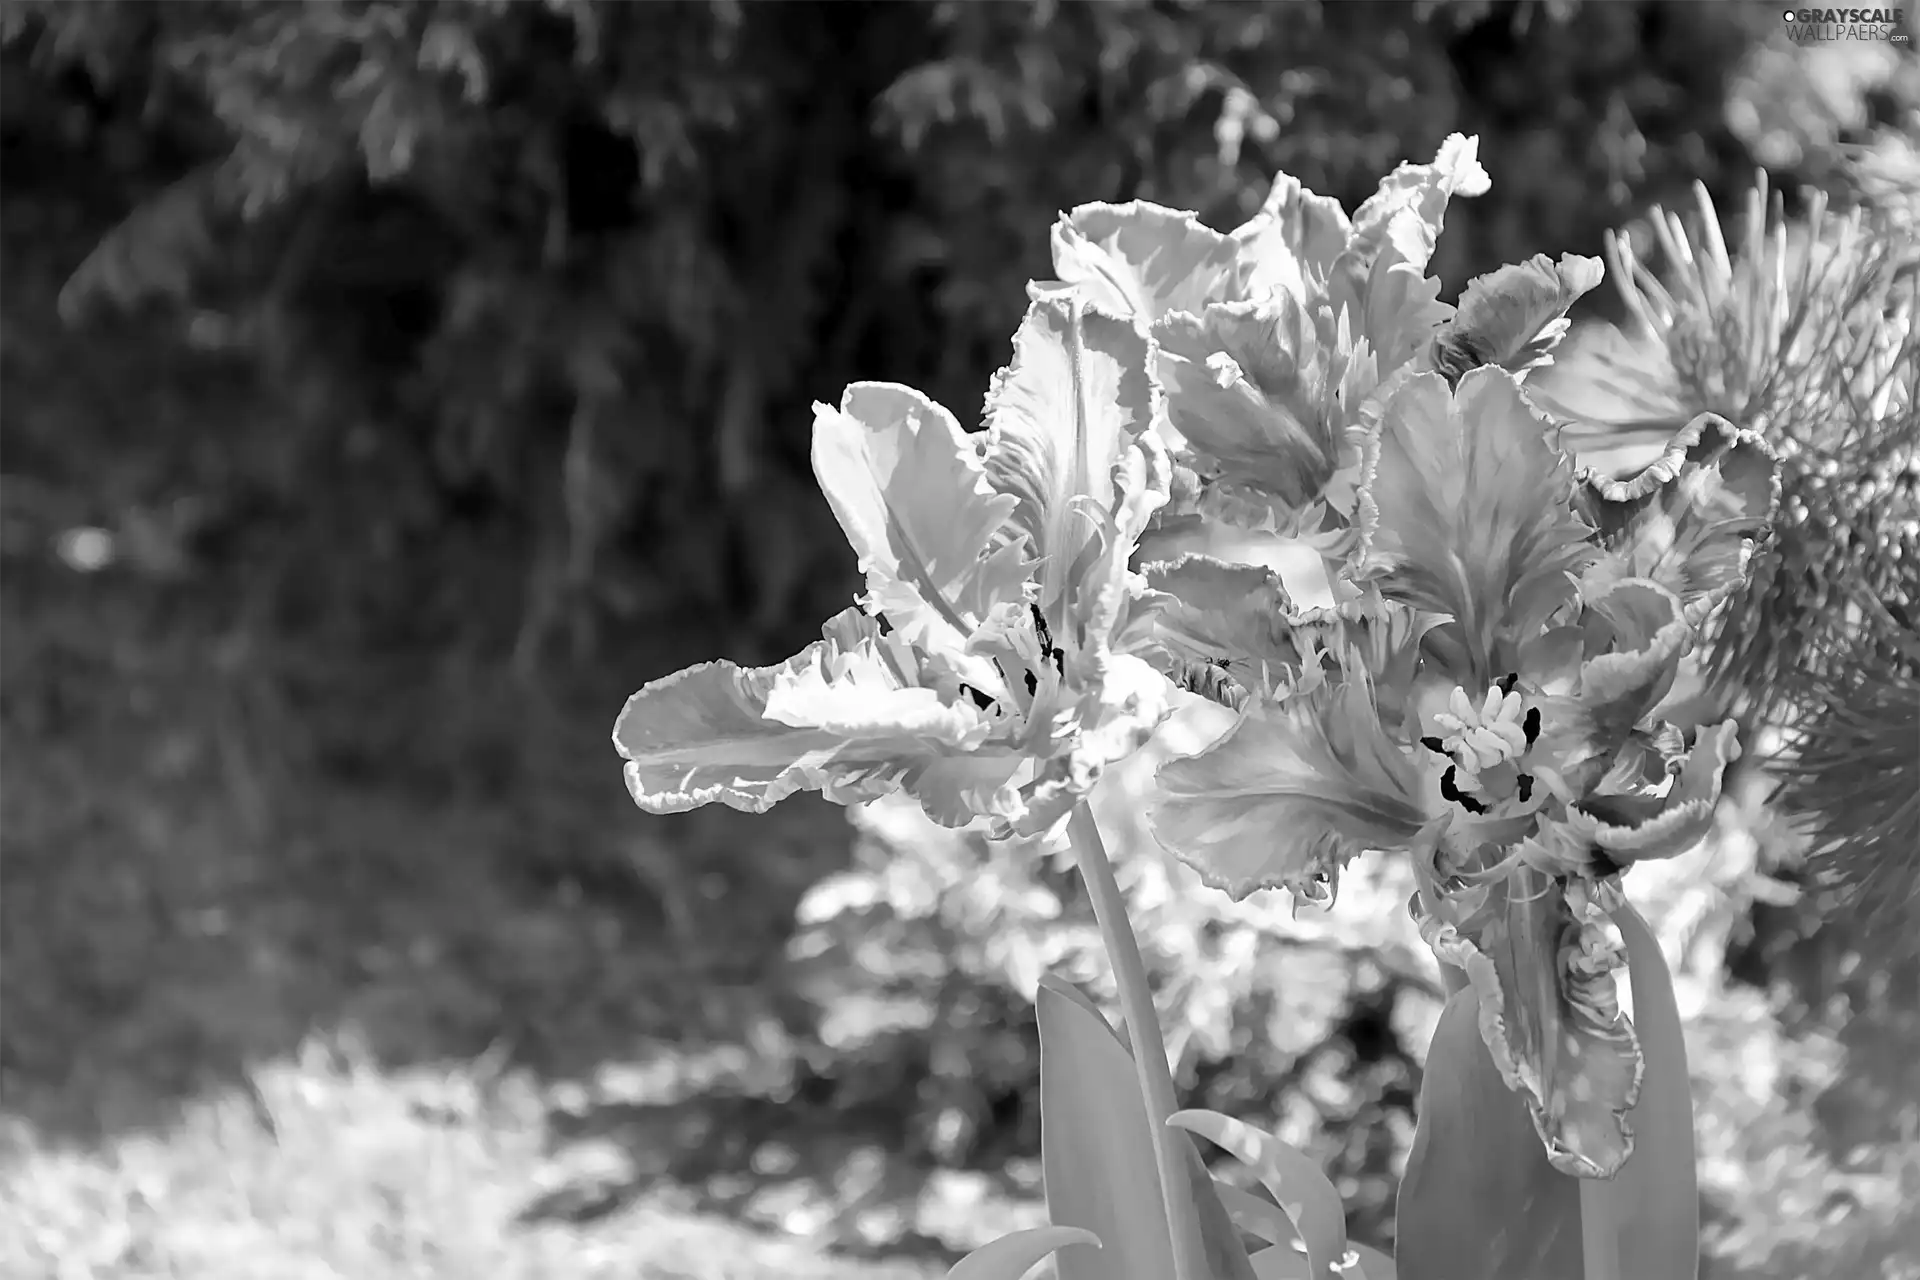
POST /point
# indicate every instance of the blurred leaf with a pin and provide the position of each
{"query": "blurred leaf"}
(1295, 1182)
(1012, 1256)
(1257, 1216)
(1479, 1198)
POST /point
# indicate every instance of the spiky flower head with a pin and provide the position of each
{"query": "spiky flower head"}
(1806, 335)
(1852, 775)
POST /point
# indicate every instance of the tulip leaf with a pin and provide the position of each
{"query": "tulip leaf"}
(1479, 1198)
(1012, 1256)
(1295, 1181)
(1221, 1249)
(1655, 1198)
(1095, 1146)
(1262, 1218)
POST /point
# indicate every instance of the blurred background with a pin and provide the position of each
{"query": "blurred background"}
(388, 389)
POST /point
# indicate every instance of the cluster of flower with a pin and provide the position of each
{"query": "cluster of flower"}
(1454, 644)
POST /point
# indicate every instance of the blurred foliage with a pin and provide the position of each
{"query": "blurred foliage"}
(490, 331)
(580, 267)
(1310, 1022)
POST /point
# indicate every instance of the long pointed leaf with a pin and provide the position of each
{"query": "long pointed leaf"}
(1012, 1256)
(1220, 1246)
(1095, 1147)
(1296, 1182)
(1061, 987)
(1479, 1199)
(1220, 1242)
(1655, 1198)
(1258, 1217)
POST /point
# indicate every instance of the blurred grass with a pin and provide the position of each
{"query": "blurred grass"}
(327, 1166)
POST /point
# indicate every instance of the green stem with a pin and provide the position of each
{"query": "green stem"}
(1599, 1232)
(1143, 1031)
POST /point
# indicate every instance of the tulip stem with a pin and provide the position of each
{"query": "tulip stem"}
(1143, 1031)
(1599, 1231)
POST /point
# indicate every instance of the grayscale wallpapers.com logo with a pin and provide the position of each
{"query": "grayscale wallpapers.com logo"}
(1807, 26)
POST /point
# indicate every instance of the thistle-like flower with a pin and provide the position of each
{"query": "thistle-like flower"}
(1852, 773)
(1806, 336)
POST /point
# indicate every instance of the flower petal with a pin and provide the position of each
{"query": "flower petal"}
(1468, 502)
(1626, 829)
(1419, 190)
(1113, 720)
(1233, 616)
(1291, 244)
(1542, 965)
(843, 717)
(1400, 310)
(1290, 793)
(1252, 385)
(1516, 316)
(909, 490)
(1641, 634)
(1691, 519)
(1068, 438)
(1425, 189)
(1140, 261)
(1383, 637)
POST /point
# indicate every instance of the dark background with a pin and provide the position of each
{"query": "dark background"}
(389, 389)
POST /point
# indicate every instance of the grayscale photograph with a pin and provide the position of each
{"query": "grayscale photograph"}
(959, 640)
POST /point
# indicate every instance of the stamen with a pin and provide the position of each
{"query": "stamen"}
(1451, 790)
(1040, 628)
(980, 699)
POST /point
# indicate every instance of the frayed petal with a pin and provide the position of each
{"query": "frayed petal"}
(1625, 829)
(1422, 190)
(1542, 963)
(1514, 317)
(908, 488)
(1232, 616)
(1291, 244)
(1068, 438)
(1400, 310)
(1290, 793)
(844, 717)
(1141, 261)
(1466, 503)
(1638, 634)
(1251, 386)
(1691, 519)
(1131, 701)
